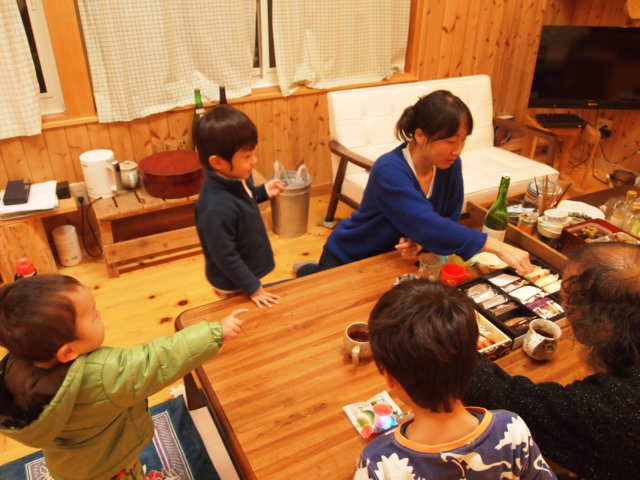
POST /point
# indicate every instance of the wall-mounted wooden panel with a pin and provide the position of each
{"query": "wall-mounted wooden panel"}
(450, 38)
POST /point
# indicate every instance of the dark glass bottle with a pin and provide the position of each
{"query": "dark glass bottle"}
(197, 115)
(223, 95)
(497, 219)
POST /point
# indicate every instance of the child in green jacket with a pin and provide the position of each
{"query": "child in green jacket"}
(83, 404)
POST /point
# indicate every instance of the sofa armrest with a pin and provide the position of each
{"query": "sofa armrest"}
(346, 156)
(350, 156)
(530, 131)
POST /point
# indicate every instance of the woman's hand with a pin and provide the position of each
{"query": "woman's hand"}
(514, 256)
(232, 325)
(274, 187)
(262, 298)
(408, 249)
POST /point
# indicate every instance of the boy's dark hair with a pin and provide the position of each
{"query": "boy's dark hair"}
(602, 299)
(223, 131)
(424, 334)
(37, 317)
(438, 114)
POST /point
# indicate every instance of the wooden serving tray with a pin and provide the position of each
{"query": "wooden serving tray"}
(521, 239)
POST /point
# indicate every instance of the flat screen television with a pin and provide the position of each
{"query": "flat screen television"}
(587, 67)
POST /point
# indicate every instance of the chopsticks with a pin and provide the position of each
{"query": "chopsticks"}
(563, 192)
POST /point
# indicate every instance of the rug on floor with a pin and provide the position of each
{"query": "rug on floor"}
(176, 448)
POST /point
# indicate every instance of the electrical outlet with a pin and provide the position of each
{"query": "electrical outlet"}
(604, 122)
(78, 189)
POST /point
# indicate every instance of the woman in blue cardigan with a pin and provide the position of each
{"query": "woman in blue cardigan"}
(415, 194)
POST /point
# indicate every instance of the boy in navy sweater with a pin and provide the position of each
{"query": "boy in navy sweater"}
(232, 233)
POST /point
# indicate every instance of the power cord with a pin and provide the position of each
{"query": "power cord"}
(85, 223)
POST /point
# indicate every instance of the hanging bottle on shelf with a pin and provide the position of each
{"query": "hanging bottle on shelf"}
(497, 219)
(198, 113)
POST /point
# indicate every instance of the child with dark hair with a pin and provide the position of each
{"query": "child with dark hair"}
(232, 233)
(83, 404)
(415, 194)
(423, 337)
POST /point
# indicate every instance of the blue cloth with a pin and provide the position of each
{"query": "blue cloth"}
(500, 445)
(176, 446)
(395, 206)
(234, 239)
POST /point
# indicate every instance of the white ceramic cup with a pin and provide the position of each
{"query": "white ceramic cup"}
(356, 342)
(541, 340)
(557, 216)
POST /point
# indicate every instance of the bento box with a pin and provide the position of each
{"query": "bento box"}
(596, 230)
(511, 301)
(492, 342)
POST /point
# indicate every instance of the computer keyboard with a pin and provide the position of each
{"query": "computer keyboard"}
(560, 120)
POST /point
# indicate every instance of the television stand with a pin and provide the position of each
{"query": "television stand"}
(560, 120)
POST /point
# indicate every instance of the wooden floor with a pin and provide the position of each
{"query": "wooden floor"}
(142, 304)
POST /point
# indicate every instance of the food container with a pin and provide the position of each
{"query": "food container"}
(550, 224)
(527, 222)
(510, 301)
(596, 230)
(492, 342)
(488, 262)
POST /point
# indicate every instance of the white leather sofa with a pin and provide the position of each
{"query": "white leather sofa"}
(362, 125)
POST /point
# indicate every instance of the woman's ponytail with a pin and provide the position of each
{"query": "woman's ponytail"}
(406, 126)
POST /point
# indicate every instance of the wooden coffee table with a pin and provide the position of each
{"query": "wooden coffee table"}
(277, 391)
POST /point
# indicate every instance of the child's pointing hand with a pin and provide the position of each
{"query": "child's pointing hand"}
(232, 325)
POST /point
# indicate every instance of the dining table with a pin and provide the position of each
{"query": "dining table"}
(277, 390)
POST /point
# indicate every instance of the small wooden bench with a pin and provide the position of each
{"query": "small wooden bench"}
(134, 226)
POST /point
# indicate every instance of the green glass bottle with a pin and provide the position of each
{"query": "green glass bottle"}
(197, 115)
(497, 219)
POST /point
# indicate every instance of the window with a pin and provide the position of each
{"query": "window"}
(37, 31)
(264, 59)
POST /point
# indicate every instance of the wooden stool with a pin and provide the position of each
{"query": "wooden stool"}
(135, 226)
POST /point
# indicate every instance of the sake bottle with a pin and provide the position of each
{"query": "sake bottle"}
(497, 219)
(197, 115)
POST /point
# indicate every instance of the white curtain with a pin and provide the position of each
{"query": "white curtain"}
(327, 43)
(19, 89)
(147, 56)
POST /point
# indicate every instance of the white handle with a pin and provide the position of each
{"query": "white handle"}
(112, 172)
(355, 354)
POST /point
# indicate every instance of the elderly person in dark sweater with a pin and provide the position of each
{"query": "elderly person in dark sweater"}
(592, 426)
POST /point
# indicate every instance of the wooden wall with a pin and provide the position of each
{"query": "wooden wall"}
(292, 130)
(448, 38)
